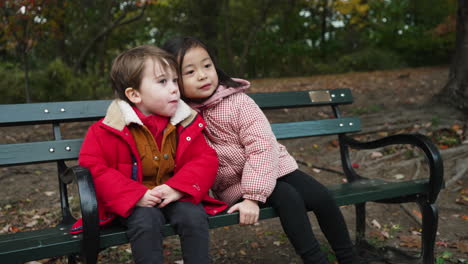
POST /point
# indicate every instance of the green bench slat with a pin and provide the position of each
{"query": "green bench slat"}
(51, 242)
(316, 128)
(24, 153)
(38, 113)
(46, 113)
(300, 98)
(34, 152)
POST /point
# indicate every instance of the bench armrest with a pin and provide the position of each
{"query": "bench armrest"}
(88, 204)
(434, 159)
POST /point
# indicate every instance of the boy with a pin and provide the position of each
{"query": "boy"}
(149, 159)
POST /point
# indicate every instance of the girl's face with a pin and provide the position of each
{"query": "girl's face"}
(199, 76)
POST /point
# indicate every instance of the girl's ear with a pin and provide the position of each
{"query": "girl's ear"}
(133, 95)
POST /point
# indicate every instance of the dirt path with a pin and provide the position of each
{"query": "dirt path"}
(388, 102)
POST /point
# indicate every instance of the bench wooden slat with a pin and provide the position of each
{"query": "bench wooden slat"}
(300, 98)
(316, 127)
(40, 113)
(50, 242)
(24, 153)
(46, 113)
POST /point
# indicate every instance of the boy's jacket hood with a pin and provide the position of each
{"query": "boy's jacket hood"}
(120, 114)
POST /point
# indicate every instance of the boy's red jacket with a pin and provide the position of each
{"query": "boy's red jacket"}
(110, 153)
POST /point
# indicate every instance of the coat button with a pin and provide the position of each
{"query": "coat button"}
(188, 138)
(165, 156)
(200, 124)
(155, 158)
(215, 211)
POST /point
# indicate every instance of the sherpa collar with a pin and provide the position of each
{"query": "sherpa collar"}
(120, 114)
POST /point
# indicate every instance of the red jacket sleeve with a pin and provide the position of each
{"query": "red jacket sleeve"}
(196, 170)
(116, 191)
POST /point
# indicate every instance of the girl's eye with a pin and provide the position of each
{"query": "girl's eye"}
(208, 65)
(189, 72)
(162, 81)
(175, 80)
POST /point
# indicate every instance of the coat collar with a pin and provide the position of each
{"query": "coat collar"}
(220, 93)
(120, 114)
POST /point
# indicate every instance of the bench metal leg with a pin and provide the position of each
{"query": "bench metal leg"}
(360, 223)
(429, 231)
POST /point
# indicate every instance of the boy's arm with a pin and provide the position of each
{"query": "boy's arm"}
(117, 192)
(198, 172)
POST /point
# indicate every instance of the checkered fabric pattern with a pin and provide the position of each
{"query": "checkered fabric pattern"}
(250, 158)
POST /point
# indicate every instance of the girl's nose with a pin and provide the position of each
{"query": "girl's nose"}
(174, 88)
(201, 75)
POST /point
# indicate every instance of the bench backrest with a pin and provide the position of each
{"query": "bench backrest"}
(57, 113)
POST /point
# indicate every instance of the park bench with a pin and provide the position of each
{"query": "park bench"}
(57, 241)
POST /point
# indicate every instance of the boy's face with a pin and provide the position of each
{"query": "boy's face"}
(199, 74)
(158, 93)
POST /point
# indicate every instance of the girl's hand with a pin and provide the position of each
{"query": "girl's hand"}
(168, 194)
(150, 199)
(248, 210)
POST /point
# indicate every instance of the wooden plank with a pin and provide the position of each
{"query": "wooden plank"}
(24, 153)
(316, 127)
(40, 113)
(300, 98)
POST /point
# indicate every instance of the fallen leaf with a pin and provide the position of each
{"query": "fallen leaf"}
(179, 262)
(32, 223)
(355, 165)
(49, 193)
(417, 213)
(376, 155)
(376, 224)
(277, 243)
(442, 243)
(316, 170)
(254, 245)
(377, 235)
(410, 241)
(242, 252)
(335, 143)
(462, 246)
(399, 176)
(13, 229)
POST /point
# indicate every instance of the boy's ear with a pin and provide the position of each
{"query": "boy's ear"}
(133, 95)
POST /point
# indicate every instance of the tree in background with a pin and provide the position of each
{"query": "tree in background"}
(24, 23)
(455, 91)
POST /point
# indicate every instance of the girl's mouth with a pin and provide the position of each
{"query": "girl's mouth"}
(206, 86)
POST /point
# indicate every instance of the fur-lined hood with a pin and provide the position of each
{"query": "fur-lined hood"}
(120, 114)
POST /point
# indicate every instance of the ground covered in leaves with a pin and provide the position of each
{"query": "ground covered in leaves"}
(388, 102)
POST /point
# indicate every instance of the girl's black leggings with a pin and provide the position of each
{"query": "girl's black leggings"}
(294, 195)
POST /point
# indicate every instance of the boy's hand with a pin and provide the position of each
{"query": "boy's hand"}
(168, 194)
(248, 210)
(150, 199)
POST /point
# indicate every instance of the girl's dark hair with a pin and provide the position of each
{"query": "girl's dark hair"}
(179, 46)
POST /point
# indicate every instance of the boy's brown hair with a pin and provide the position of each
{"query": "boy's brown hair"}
(128, 67)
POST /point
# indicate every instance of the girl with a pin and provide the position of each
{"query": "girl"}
(254, 169)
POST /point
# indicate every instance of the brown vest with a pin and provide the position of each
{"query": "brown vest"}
(158, 165)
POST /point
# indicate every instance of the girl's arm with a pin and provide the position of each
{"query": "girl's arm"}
(261, 167)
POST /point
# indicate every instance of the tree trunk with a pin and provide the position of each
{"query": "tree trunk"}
(26, 77)
(455, 91)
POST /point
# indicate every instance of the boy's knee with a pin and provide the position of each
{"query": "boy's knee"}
(146, 219)
(190, 215)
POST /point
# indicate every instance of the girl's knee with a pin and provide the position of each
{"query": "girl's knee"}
(145, 219)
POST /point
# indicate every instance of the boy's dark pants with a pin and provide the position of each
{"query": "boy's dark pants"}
(190, 221)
